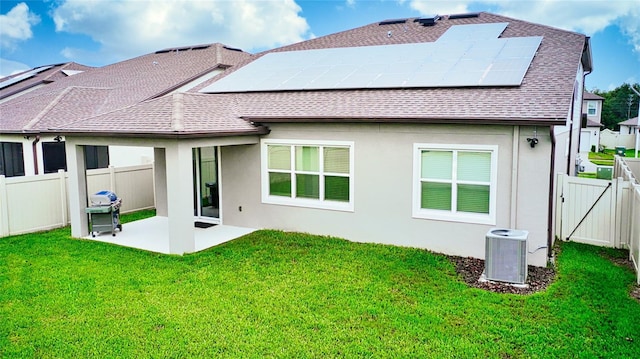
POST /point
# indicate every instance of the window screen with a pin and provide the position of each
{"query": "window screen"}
(456, 181)
(306, 172)
(11, 159)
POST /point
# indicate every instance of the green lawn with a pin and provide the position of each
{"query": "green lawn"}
(275, 294)
(606, 158)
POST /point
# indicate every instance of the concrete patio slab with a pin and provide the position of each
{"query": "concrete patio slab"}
(152, 234)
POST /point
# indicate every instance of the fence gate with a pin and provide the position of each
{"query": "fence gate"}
(592, 210)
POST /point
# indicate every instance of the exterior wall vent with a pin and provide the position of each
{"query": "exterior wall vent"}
(506, 256)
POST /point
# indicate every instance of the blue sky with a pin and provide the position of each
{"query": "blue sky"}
(100, 32)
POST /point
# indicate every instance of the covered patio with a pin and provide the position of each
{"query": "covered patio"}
(152, 234)
(186, 132)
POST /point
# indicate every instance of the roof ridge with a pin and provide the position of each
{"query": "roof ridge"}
(48, 108)
(56, 101)
(177, 112)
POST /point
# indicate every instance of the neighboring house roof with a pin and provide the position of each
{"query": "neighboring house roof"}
(592, 123)
(113, 87)
(591, 96)
(632, 122)
(42, 75)
(544, 96)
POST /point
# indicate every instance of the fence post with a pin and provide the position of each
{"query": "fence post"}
(634, 233)
(564, 229)
(62, 178)
(559, 204)
(617, 201)
(112, 179)
(4, 208)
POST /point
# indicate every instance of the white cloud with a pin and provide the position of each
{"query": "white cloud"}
(439, 7)
(630, 26)
(16, 25)
(8, 67)
(130, 28)
(585, 16)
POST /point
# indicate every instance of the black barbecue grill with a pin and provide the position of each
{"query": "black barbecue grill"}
(104, 213)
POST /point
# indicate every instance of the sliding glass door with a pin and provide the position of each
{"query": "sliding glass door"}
(206, 202)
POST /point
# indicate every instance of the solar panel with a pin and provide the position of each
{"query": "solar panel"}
(232, 48)
(200, 47)
(475, 61)
(474, 32)
(71, 72)
(464, 16)
(427, 21)
(23, 77)
(392, 21)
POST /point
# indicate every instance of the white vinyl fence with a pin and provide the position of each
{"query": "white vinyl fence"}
(36, 203)
(629, 169)
(600, 212)
(611, 139)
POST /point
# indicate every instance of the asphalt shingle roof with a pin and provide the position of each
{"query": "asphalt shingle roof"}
(172, 115)
(544, 97)
(591, 96)
(112, 87)
(53, 73)
(633, 122)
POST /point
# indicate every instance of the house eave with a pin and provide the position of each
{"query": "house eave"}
(409, 120)
(20, 132)
(161, 135)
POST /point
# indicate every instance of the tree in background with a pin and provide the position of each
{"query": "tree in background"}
(620, 104)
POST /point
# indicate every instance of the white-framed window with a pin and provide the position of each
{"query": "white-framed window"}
(304, 173)
(455, 182)
(592, 108)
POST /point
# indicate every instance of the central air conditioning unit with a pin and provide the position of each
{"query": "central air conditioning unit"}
(506, 255)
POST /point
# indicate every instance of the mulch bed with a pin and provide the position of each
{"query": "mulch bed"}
(538, 278)
(470, 270)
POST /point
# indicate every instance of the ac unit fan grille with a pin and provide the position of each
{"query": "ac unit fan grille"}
(506, 260)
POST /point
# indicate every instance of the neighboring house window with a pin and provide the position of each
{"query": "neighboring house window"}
(592, 108)
(11, 159)
(96, 157)
(455, 182)
(308, 173)
(54, 156)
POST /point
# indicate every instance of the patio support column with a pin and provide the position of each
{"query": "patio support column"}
(179, 178)
(160, 180)
(77, 189)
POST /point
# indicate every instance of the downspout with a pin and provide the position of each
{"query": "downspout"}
(552, 177)
(514, 175)
(573, 106)
(552, 181)
(34, 148)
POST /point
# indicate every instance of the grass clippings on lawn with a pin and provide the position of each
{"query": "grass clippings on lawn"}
(275, 294)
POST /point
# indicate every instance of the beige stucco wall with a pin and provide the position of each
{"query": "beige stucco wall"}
(27, 150)
(383, 187)
(119, 156)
